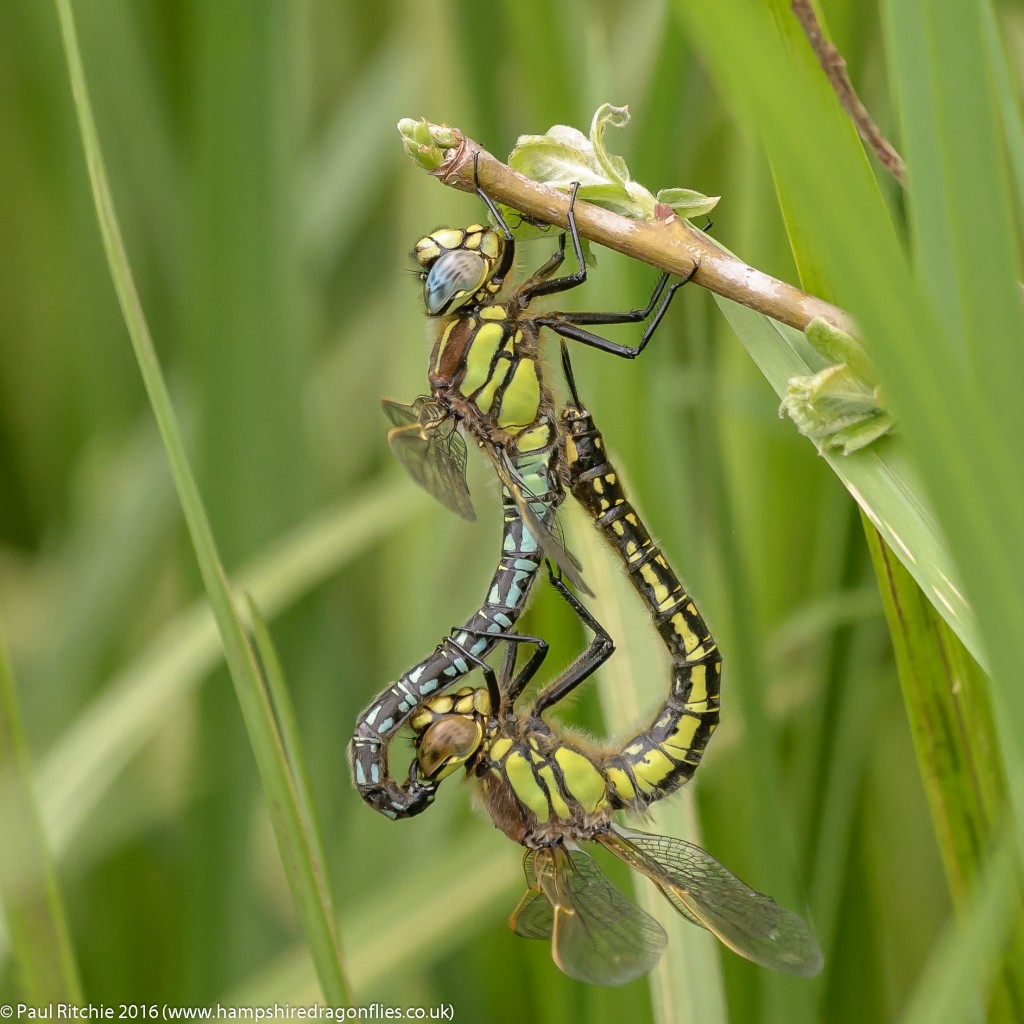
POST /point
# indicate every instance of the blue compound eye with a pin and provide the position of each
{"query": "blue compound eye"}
(455, 277)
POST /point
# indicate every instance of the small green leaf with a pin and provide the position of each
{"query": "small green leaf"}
(613, 166)
(564, 156)
(852, 438)
(841, 406)
(611, 197)
(687, 202)
(556, 161)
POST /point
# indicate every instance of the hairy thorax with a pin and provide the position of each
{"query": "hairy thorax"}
(484, 366)
(539, 789)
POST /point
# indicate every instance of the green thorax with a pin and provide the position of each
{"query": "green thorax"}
(485, 367)
(538, 786)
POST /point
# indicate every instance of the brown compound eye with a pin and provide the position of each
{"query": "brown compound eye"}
(446, 744)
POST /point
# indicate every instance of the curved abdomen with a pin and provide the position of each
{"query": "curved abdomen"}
(658, 760)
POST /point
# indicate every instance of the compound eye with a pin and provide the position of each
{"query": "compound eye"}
(448, 743)
(454, 277)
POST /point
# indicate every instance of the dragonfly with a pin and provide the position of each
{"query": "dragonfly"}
(551, 792)
(486, 380)
(485, 373)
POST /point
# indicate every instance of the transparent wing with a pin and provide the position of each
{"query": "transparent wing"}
(534, 918)
(548, 537)
(709, 894)
(597, 935)
(426, 440)
(403, 415)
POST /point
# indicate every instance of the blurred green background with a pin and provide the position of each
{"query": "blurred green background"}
(269, 211)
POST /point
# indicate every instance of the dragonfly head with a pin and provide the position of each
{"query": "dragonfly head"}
(449, 731)
(460, 266)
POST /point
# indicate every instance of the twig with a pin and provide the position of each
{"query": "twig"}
(834, 66)
(670, 243)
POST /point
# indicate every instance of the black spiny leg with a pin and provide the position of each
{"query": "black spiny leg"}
(498, 219)
(599, 650)
(568, 325)
(570, 377)
(494, 691)
(508, 254)
(571, 325)
(527, 291)
(538, 283)
(561, 284)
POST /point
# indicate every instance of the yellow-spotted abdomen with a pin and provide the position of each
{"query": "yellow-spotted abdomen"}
(658, 760)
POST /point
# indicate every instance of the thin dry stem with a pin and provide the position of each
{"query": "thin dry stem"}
(670, 243)
(834, 66)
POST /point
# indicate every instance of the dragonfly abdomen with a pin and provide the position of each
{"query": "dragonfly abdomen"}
(658, 760)
(506, 597)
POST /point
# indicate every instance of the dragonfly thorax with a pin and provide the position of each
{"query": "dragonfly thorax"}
(538, 787)
(463, 266)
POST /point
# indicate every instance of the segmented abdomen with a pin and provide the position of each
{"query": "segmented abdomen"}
(506, 598)
(658, 760)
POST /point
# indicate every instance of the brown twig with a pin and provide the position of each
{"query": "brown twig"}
(834, 66)
(670, 243)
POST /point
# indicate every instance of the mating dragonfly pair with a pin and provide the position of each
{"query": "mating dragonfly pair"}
(544, 789)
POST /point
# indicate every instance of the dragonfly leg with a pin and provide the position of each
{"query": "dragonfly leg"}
(508, 252)
(549, 286)
(573, 325)
(494, 211)
(527, 292)
(570, 377)
(599, 650)
(502, 694)
(490, 679)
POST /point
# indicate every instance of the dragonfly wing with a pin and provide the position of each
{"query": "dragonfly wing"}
(708, 893)
(427, 442)
(533, 918)
(548, 538)
(402, 415)
(598, 935)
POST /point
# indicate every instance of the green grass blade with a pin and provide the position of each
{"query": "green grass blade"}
(29, 890)
(938, 351)
(309, 885)
(952, 987)
(270, 758)
(968, 264)
(83, 764)
(943, 686)
(954, 453)
(880, 477)
(949, 705)
(1009, 104)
